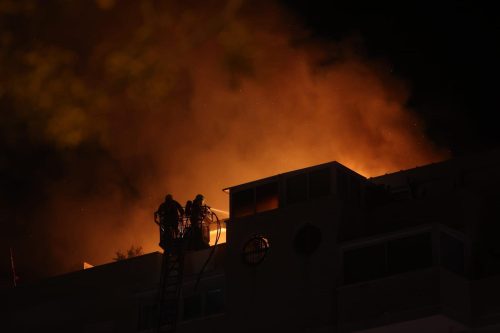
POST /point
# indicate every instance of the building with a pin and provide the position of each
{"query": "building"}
(116, 297)
(321, 249)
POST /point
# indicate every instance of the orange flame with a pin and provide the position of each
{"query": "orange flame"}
(192, 99)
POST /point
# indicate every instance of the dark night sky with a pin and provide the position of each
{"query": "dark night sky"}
(448, 51)
(447, 54)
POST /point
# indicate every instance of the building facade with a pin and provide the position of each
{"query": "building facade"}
(321, 249)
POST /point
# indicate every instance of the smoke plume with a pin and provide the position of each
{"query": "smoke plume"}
(109, 105)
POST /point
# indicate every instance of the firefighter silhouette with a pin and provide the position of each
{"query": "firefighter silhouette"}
(167, 217)
(198, 211)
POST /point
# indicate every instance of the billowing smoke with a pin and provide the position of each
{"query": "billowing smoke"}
(107, 106)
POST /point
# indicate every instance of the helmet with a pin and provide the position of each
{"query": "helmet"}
(168, 197)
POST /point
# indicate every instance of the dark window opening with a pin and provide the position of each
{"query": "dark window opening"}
(307, 239)
(409, 253)
(267, 196)
(242, 203)
(452, 253)
(192, 307)
(214, 302)
(388, 258)
(364, 264)
(296, 189)
(319, 183)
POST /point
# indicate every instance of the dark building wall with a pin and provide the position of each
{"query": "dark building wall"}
(290, 289)
(111, 297)
(453, 201)
(98, 296)
(345, 254)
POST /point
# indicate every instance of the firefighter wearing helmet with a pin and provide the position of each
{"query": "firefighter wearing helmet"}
(198, 212)
(167, 217)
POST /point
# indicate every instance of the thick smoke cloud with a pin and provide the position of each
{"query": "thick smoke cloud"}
(106, 106)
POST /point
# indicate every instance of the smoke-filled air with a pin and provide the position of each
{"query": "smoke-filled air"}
(107, 106)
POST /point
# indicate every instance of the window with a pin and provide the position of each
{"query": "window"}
(204, 304)
(319, 183)
(409, 253)
(364, 264)
(214, 302)
(255, 250)
(310, 185)
(192, 307)
(307, 239)
(452, 253)
(296, 188)
(388, 258)
(242, 203)
(250, 201)
(267, 197)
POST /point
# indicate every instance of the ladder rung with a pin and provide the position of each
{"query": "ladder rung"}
(171, 282)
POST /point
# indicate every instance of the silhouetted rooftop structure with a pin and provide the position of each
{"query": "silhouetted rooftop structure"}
(321, 249)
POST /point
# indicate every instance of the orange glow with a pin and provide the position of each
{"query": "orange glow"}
(86, 265)
(193, 98)
(213, 235)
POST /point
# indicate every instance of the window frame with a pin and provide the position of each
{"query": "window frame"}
(253, 187)
(385, 239)
(307, 173)
(203, 296)
(435, 230)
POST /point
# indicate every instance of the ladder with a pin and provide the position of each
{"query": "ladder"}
(170, 286)
(172, 270)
